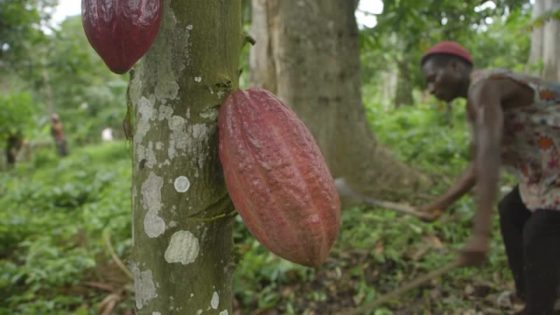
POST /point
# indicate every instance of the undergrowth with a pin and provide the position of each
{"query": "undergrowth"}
(54, 214)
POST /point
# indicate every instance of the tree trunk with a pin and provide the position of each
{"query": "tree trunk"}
(403, 95)
(551, 44)
(182, 230)
(310, 49)
(536, 53)
(545, 40)
(263, 16)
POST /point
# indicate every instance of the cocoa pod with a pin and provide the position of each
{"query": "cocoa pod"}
(277, 177)
(121, 31)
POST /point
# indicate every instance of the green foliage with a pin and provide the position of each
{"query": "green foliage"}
(433, 133)
(378, 250)
(20, 21)
(496, 36)
(541, 20)
(66, 74)
(504, 44)
(51, 224)
(53, 214)
(17, 110)
(96, 98)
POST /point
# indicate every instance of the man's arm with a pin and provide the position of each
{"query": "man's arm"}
(486, 99)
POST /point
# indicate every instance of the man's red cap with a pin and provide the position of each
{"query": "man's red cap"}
(448, 48)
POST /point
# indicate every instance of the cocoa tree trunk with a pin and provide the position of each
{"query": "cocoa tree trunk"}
(182, 227)
(307, 53)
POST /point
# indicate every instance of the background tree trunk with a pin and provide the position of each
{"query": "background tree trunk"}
(545, 40)
(403, 95)
(182, 230)
(309, 56)
(536, 53)
(551, 44)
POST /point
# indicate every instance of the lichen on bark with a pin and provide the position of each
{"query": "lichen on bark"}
(181, 260)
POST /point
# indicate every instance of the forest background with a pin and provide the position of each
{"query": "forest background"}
(65, 222)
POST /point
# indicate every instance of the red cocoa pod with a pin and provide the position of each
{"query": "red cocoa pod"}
(277, 177)
(121, 31)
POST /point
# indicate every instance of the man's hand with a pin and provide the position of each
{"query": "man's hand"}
(475, 251)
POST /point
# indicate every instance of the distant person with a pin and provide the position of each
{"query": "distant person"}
(58, 134)
(515, 122)
(14, 143)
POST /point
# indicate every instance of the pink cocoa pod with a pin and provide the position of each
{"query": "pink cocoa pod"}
(121, 31)
(277, 177)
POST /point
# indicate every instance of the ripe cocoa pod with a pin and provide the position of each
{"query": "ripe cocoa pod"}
(277, 177)
(121, 31)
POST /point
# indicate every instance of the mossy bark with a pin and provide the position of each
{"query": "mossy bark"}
(182, 223)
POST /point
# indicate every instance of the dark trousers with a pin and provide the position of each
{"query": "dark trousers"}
(532, 242)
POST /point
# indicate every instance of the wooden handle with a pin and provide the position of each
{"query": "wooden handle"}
(345, 190)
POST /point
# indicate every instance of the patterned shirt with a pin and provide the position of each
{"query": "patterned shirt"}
(531, 140)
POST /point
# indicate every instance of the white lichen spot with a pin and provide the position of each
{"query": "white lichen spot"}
(189, 27)
(165, 112)
(182, 184)
(215, 302)
(224, 312)
(159, 145)
(178, 138)
(154, 225)
(143, 286)
(172, 224)
(200, 131)
(147, 114)
(151, 192)
(156, 313)
(146, 111)
(150, 155)
(198, 312)
(209, 114)
(192, 295)
(197, 79)
(169, 68)
(183, 248)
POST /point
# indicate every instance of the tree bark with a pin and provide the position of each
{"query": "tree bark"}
(545, 40)
(403, 95)
(311, 50)
(536, 53)
(182, 227)
(551, 44)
